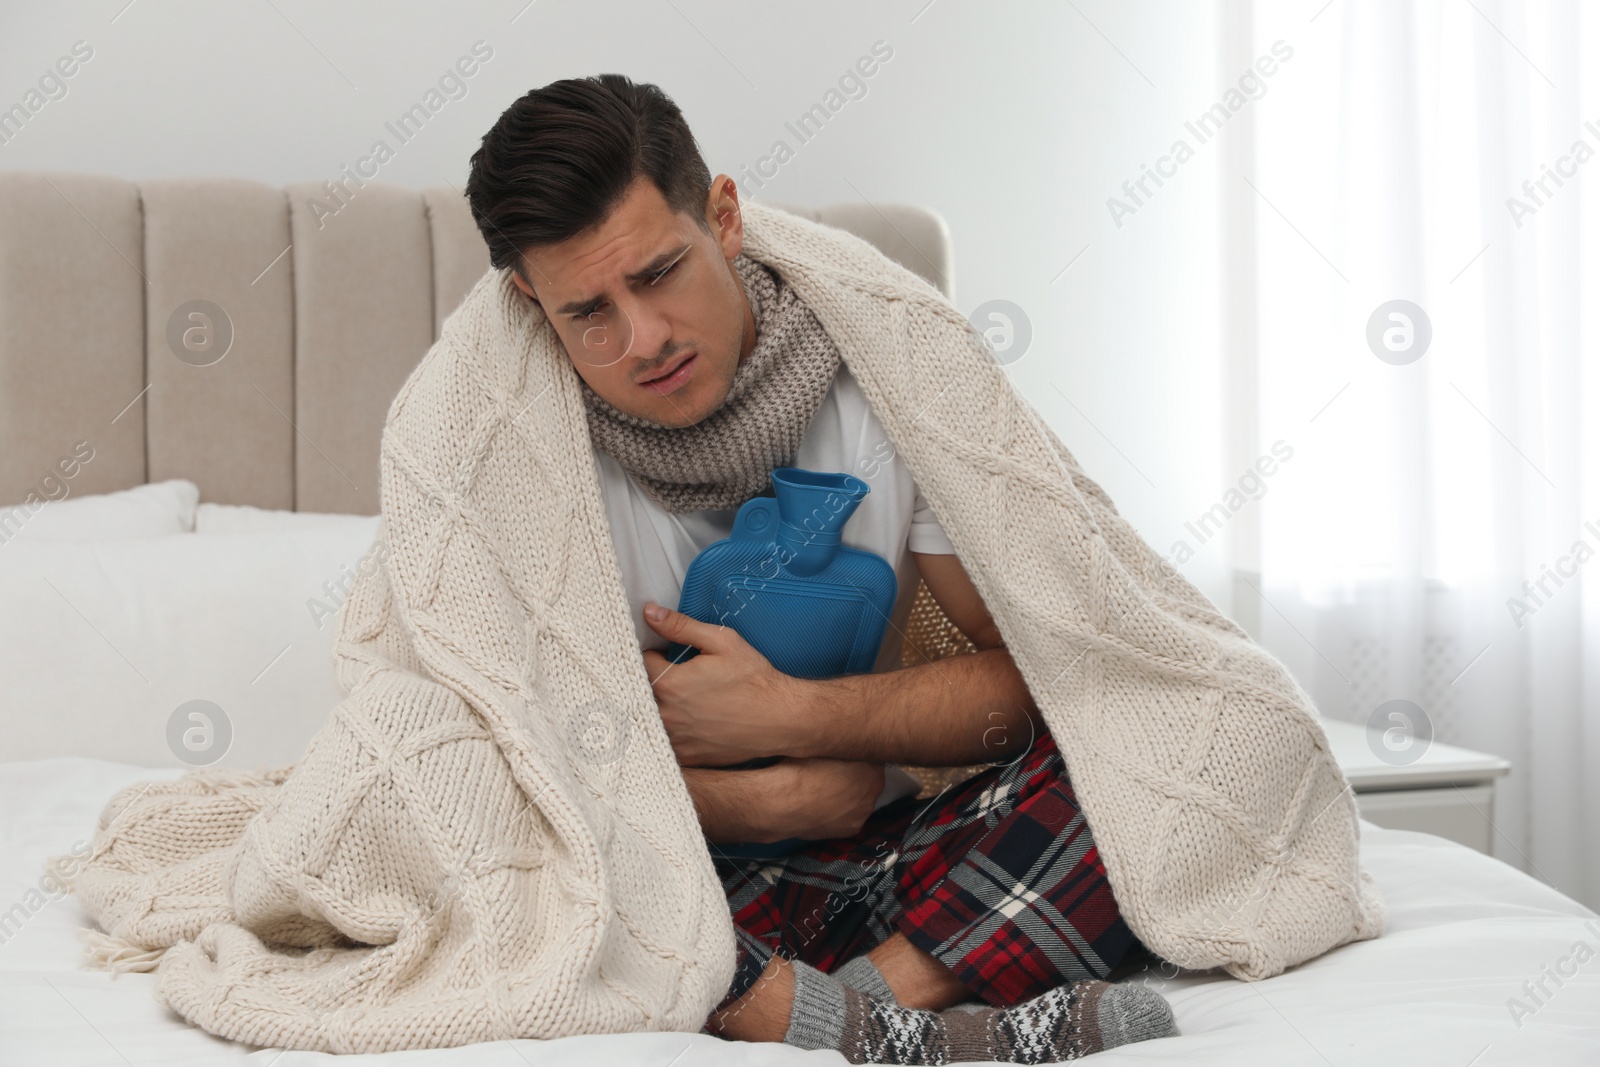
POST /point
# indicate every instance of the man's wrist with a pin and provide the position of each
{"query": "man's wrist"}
(817, 723)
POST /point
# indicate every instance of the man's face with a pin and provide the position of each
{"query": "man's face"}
(649, 306)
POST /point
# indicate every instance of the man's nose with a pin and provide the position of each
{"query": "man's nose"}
(649, 332)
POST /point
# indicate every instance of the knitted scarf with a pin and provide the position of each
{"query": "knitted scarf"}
(728, 457)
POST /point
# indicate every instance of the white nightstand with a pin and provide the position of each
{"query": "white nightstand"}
(1447, 791)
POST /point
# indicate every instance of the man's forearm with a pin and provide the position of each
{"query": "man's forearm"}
(972, 708)
(814, 799)
(730, 804)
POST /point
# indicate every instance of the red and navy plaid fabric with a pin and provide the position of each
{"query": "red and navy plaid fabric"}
(997, 877)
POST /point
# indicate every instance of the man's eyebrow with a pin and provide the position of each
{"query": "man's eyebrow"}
(643, 274)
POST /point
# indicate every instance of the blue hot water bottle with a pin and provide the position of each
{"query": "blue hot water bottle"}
(783, 581)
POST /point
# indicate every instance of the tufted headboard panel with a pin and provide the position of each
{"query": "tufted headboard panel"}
(246, 337)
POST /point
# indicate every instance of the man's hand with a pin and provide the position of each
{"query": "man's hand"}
(814, 799)
(726, 705)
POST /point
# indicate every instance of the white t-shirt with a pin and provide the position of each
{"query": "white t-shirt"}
(655, 547)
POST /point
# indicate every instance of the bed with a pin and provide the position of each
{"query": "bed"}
(229, 492)
(1465, 933)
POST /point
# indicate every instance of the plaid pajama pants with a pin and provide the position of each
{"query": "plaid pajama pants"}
(997, 877)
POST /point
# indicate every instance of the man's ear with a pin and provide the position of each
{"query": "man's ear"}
(516, 276)
(722, 213)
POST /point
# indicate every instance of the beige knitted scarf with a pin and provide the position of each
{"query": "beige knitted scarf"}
(490, 837)
(728, 457)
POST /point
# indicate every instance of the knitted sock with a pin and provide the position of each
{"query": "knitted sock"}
(817, 1018)
(1067, 1023)
(862, 975)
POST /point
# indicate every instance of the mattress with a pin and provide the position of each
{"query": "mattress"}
(1481, 965)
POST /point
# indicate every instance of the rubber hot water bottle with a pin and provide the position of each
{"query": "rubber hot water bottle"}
(786, 584)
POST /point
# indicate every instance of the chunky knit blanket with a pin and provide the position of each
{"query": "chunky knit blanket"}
(490, 838)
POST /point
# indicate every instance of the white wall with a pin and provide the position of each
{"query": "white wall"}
(1017, 122)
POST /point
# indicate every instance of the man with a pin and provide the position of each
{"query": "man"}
(702, 373)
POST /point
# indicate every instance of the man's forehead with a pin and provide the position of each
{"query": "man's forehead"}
(639, 237)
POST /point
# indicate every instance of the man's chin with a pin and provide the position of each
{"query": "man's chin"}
(677, 411)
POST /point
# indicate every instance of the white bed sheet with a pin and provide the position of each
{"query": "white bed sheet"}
(1465, 933)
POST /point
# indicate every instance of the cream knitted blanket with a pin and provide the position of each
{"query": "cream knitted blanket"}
(490, 837)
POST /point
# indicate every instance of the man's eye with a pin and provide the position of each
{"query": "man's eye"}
(653, 279)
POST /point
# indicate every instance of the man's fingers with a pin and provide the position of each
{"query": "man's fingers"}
(676, 626)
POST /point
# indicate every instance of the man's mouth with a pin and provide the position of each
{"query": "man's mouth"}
(673, 376)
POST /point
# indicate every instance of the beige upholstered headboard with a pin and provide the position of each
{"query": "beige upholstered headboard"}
(118, 297)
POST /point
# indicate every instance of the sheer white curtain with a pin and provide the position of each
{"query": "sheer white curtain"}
(1435, 536)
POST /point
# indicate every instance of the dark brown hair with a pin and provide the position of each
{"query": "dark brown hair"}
(558, 160)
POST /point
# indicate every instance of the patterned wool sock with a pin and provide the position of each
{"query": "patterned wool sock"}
(862, 975)
(1067, 1023)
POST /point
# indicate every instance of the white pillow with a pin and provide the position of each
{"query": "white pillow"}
(143, 511)
(102, 642)
(242, 518)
